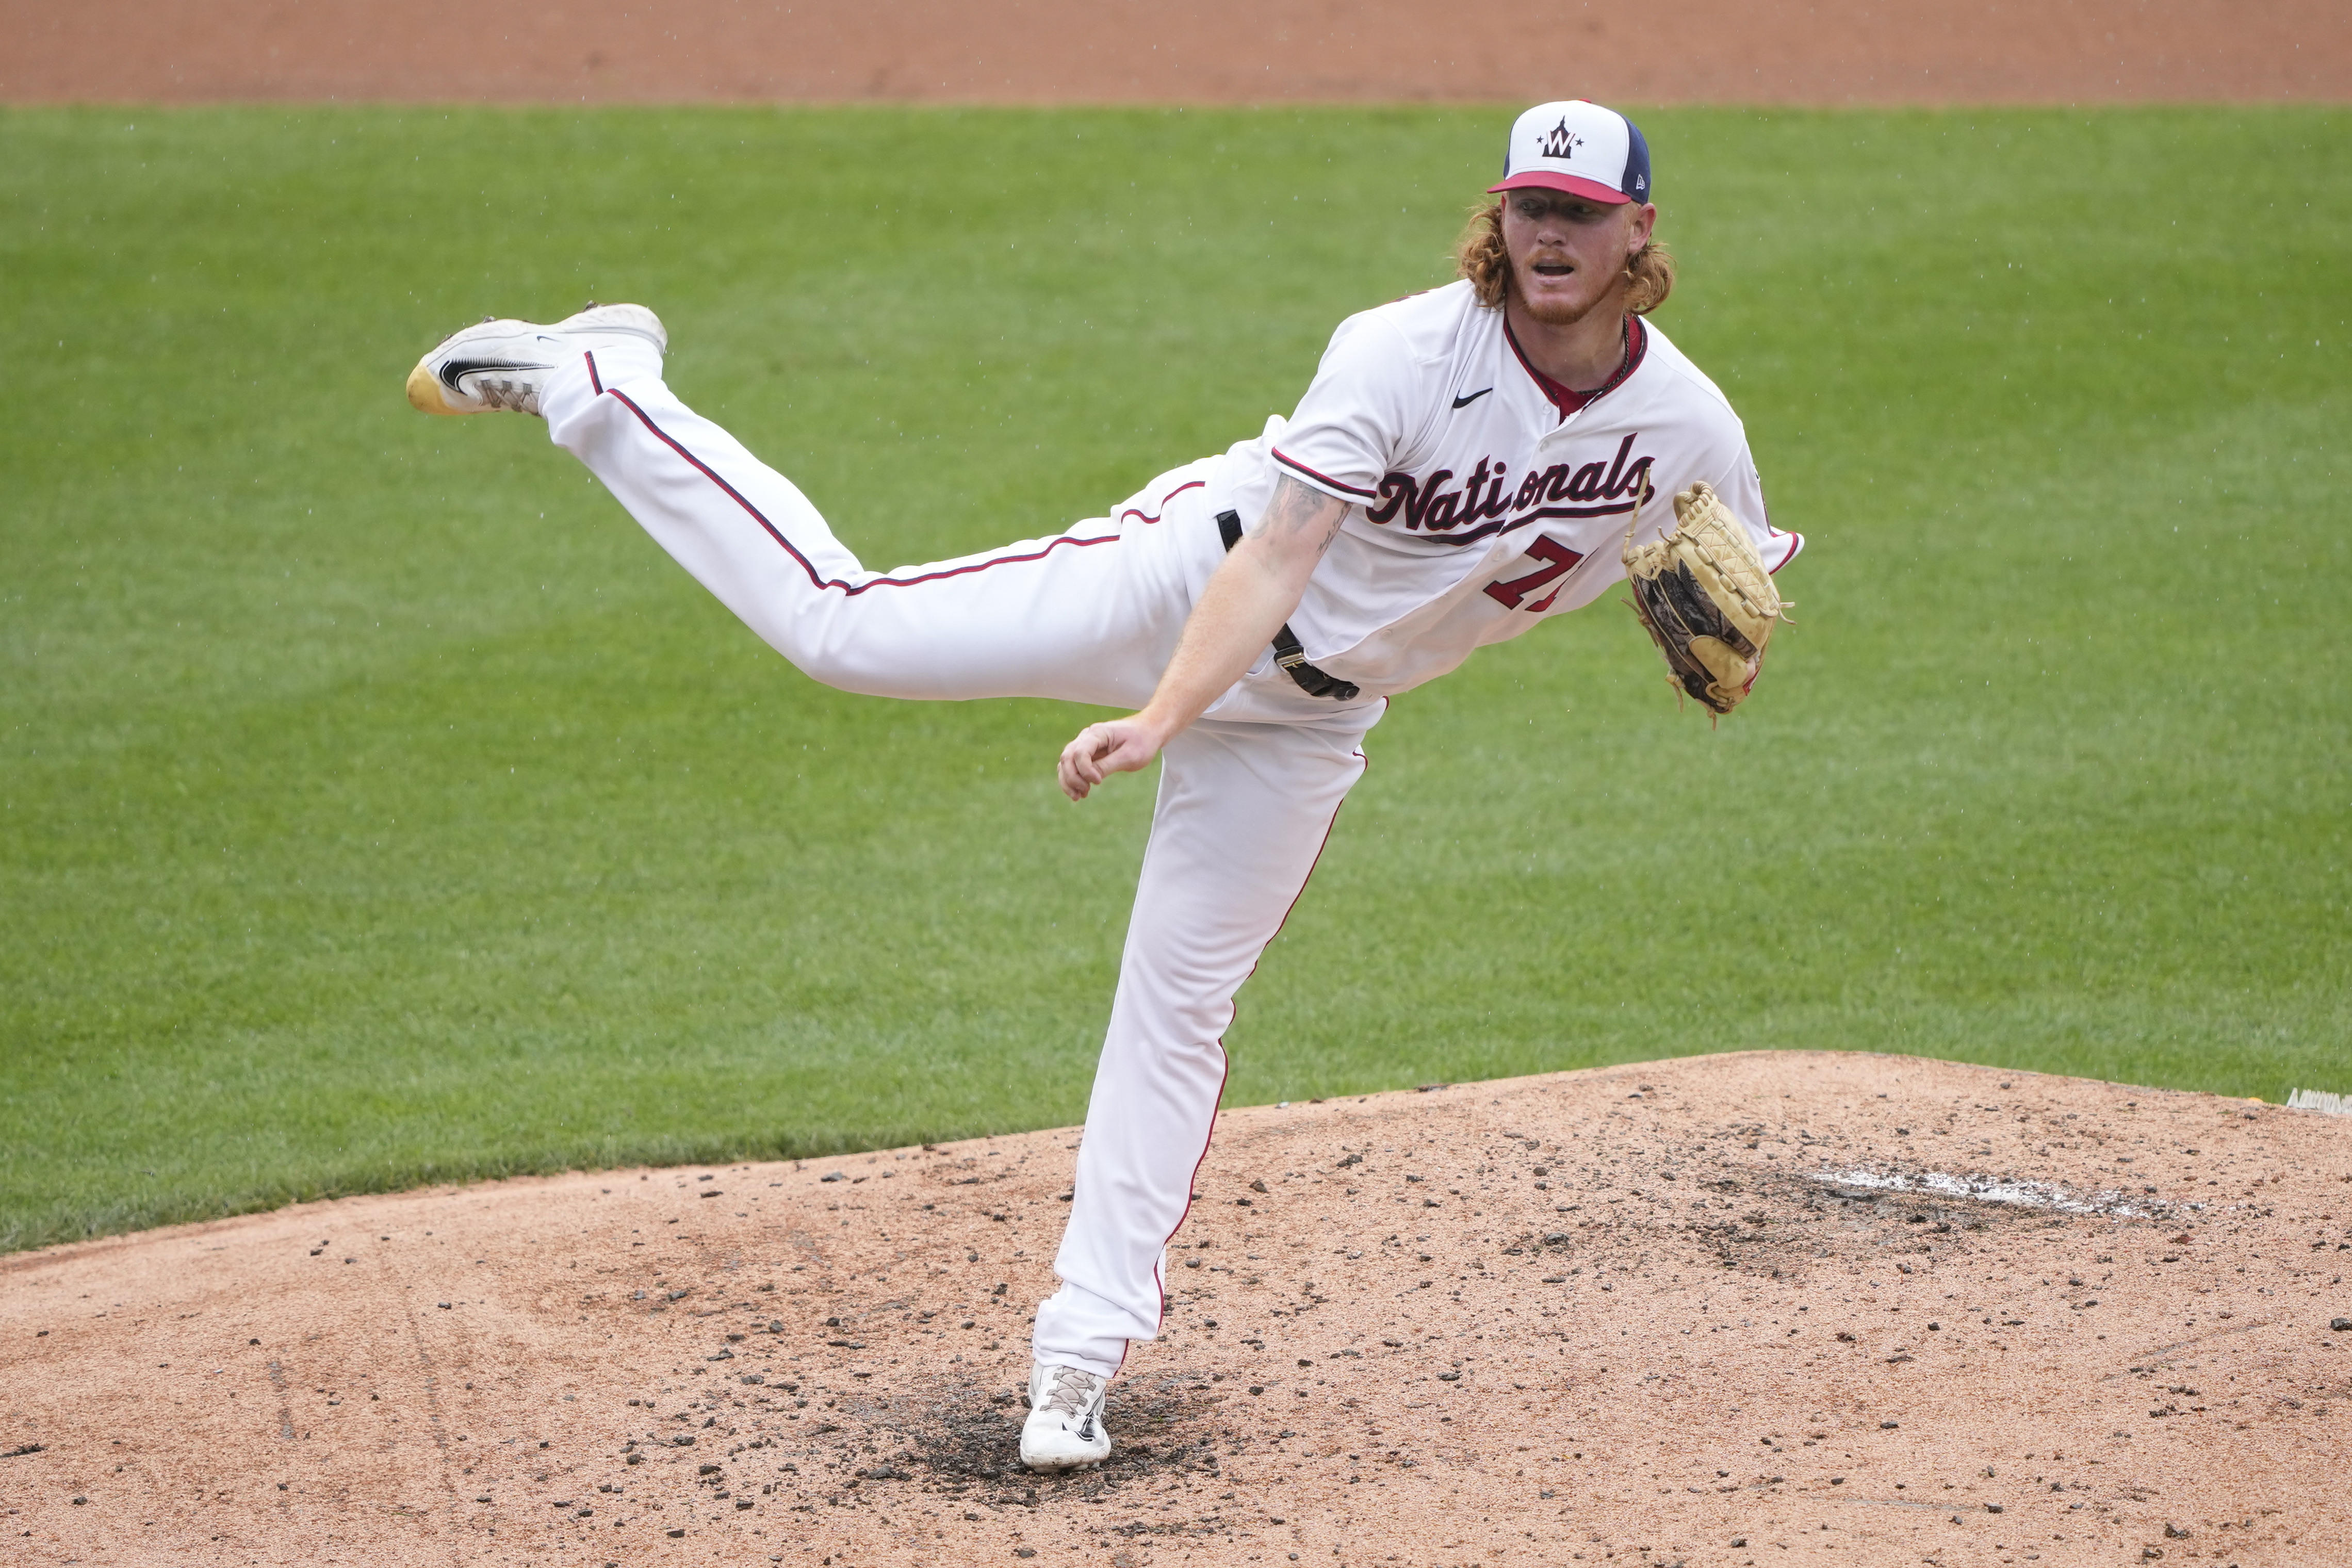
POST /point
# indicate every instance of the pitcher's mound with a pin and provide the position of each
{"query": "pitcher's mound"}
(1767, 1308)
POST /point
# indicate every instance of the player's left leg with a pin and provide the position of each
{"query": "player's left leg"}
(1242, 815)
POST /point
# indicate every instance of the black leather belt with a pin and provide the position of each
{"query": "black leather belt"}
(1287, 651)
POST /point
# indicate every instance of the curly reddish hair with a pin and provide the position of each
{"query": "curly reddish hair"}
(1480, 256)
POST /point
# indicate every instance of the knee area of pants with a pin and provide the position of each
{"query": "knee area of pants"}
(819, 654)
(1192, 1059)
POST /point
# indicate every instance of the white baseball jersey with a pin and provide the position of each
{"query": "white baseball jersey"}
(1483, 496)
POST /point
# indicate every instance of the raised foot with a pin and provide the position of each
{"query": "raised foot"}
(501, 365)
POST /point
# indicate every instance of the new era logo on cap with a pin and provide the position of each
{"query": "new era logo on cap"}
(1578, 147)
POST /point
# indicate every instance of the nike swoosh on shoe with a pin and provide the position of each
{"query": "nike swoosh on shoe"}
(453, 371)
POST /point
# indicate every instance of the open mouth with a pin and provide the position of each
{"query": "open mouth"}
(1551, 269)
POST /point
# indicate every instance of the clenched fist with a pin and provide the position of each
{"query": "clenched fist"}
(1117, 746)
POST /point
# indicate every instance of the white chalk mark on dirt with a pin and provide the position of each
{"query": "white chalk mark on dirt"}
(1990, 1190)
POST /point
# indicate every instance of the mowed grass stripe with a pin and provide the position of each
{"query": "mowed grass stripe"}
(379, 805)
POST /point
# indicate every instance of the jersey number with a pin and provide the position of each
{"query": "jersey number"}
(1513, 594)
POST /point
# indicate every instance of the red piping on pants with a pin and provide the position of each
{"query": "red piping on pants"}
(1157, 1277)
(817, 579)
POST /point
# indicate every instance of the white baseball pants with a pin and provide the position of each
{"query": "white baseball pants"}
(1089, 616)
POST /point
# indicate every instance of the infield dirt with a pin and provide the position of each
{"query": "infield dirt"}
(1209, 51)
(1753, 1308)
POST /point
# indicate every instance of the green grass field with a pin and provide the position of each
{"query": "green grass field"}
(379, 805)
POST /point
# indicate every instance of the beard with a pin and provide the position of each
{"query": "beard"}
(1555, 311)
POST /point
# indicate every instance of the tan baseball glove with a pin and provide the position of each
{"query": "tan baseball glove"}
(1702, 592)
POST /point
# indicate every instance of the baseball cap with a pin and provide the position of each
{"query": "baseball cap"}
(1580, 147)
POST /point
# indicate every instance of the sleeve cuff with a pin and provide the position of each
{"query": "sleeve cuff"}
(1339, 487)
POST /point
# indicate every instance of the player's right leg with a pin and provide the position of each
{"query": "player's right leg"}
(1091, 615)
(1241, 814)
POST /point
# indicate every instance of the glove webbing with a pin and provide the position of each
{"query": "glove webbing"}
(1288, 653)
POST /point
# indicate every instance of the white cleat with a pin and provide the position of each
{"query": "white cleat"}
(500, 365)
(1065, 1428)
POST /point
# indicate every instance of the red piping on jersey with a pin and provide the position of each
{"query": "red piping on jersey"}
(1567, 399)
(789, 549)
(1322, 478)
(1172, 495)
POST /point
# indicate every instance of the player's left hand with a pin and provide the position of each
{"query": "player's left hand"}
(1707, 599)
(1119, 746)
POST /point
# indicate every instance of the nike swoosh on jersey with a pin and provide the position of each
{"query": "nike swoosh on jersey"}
(1466, 400)
(453, 370)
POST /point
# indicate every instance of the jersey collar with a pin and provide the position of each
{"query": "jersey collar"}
(1567, 399)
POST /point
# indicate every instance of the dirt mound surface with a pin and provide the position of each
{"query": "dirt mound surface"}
(1759, 1308)
(1214, 51)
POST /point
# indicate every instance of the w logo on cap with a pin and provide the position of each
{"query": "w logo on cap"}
(1561, 141)
(1589, 150)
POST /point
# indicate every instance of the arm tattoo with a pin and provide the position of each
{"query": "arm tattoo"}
(1301, 509)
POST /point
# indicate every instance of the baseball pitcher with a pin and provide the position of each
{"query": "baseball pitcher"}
(1466, 463)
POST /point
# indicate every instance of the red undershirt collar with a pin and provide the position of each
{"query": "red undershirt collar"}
(1567, 399)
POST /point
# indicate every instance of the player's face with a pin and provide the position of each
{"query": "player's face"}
(1569, 253)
